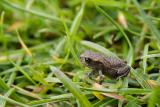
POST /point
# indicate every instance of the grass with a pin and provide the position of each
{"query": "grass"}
(41, 41)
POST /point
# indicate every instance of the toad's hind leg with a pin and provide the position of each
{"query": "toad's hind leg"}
(122, 72)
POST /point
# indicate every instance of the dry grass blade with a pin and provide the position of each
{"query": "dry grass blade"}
(24, 45)
(112, 95)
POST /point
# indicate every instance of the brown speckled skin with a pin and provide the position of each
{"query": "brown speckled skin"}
(110, 66)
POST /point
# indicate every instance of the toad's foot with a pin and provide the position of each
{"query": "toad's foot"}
(100, 78)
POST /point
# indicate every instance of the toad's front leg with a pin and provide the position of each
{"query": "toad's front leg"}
(100, 78)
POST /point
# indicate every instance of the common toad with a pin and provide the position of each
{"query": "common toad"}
(109, 66)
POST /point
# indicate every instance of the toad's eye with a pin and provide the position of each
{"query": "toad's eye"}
(88, 60)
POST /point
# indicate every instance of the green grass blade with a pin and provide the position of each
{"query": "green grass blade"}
(3, 85)
(111, 3)
(122, 90)
(5, 88)
(132, 102)
(151, 56)
(13, 101)
(2, 36)
(148, 21)
(40, 14)
(12, 78)
(73, 31)
(71, 87)
(9, 91)
(76, 23)
(27, 93)
(99, 48)
(103, 103)
(145, 52)
(154, 100)
(23, 72)
(2, 101)
(141, 78)
(52, 99)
